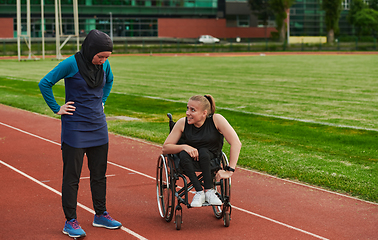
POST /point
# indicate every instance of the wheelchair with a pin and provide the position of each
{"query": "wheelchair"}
(170, 195)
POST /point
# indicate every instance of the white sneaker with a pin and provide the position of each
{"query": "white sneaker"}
(212, 198)
(198, 199)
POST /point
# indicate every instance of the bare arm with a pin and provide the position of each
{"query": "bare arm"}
(232, 138)
(170, 145)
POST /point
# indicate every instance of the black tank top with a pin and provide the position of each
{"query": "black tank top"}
(207, 136)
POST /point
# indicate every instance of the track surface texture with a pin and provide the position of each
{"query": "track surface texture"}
(264, 207)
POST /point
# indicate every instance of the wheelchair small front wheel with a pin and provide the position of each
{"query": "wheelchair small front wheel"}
(178, 218)
(226, 219)
(226, 215)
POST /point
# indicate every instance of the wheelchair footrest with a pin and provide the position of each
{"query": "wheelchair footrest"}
(206, 204)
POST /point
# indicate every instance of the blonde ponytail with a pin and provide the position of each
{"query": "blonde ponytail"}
(207, 101)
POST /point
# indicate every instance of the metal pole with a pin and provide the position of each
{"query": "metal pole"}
(43, 28)
(18, 29)
(76, 19)
(288, 26)
(60, 17)
(57, 33)
(111, 26)
(28, 26)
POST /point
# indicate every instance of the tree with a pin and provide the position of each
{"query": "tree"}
(280, 8)
(364, 17)
(367, 21)
(332, 10)
(355, 7)
(373, 4)
(262, 10)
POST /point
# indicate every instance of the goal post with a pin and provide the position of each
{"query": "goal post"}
(26, 37)
(58, 29)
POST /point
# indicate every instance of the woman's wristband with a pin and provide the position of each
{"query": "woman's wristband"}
(229, 169)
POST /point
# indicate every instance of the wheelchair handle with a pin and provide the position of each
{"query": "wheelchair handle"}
(169, 116)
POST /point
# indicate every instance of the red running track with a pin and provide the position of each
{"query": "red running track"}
(264, 207)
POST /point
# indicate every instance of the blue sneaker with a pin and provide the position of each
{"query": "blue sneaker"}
(106, 221)
(72, 228)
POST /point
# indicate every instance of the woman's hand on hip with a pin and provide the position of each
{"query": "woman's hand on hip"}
(67, 109)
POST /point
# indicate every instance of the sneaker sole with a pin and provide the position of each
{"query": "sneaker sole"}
(194, 206)
(216, 204)
(74, 236)
(104, 226)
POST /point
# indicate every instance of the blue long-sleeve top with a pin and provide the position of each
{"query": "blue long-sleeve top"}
(87, 126)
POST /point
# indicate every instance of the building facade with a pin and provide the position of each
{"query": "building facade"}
(167, 18)
(307, 19)
(140, 18)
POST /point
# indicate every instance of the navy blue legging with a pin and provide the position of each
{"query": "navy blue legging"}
(188, 165)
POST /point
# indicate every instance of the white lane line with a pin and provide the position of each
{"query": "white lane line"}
(28, 133)
(153, 178)
(60, 194)
(111, 175)
(308, 186)
(52, 189)
(280, 223)
(131, 170)
(153, 144)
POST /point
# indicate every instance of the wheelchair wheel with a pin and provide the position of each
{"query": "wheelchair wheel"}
(164, 189)
(223, 188)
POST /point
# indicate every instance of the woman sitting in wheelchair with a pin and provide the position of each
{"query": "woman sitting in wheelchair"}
(203, 132)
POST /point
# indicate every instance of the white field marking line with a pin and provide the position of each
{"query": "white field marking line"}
(52, 189)
(28, 133)
(42, 138)
(153, 144)
(308, 186)
(255, 214)
(138, 140)
(131, 170)
(60, 194)
(280, 223)
(265, 174)
(145, 175)
(111, 175)
(272, 116)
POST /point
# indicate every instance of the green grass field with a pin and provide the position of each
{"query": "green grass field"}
(287, 110)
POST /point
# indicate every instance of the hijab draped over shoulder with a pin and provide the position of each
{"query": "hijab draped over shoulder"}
(95, 42)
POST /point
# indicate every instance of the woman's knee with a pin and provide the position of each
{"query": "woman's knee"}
(204, 155)
(184, 158)
(184, 155)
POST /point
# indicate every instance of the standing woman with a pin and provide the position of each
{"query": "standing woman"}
(88, 80)
(203, 132)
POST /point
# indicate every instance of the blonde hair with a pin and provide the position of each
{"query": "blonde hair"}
(207, 102)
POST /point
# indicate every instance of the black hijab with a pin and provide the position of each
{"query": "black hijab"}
(95, 42)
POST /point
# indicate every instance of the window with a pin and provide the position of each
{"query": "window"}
(345, 4)
(243, 20)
